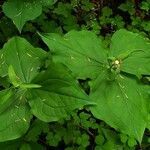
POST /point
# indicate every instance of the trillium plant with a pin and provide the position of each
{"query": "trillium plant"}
(122, 100)
(44, 84)
(72, 77)
(49, 93)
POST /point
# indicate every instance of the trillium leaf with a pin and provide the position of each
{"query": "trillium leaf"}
(133, 49)
(138, 64)
(5, 99)
(78, 48)
(58, 96)
(120, 103)
(21, 11)
(17, 83)
(15, 120)
(23, 57)
(13, 77)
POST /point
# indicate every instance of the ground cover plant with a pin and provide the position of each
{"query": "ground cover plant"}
(75, 75)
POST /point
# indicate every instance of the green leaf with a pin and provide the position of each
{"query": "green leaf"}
(58, 96)
(21, 11)
(14, 122)
(78, 48)
(120, 103)
(5, 99)
(24, 59)
(13, 77)
(133, 50)
(17, 83)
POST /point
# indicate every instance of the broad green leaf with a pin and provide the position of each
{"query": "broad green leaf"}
(58, 96)
(14, 115)
(17, 83)
(23, 57)
(5, 99)
(13, 77)
(21, 11)
(121, 103)
(14, 122)
(133, 49)
(80, 51)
